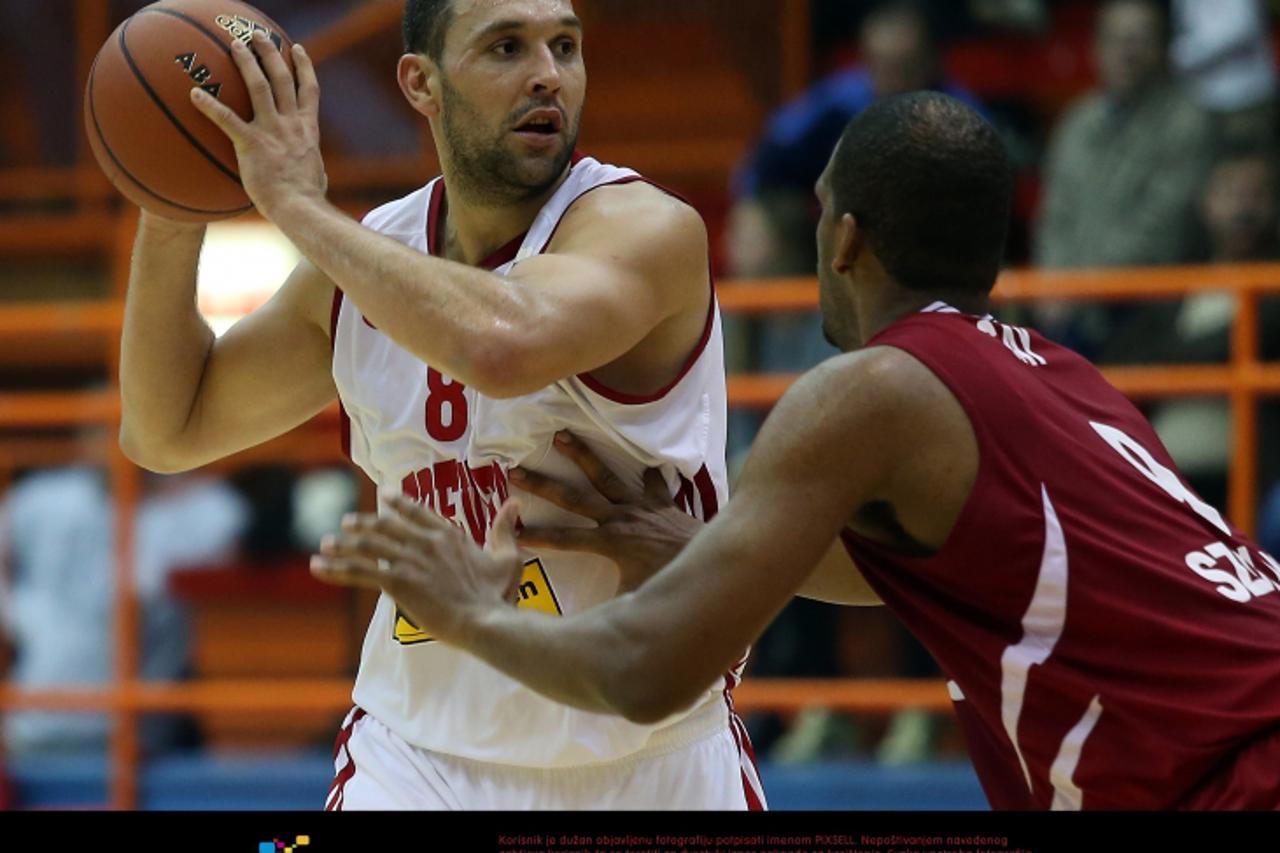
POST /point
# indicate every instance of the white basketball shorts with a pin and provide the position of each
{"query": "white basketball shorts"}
(707, 767)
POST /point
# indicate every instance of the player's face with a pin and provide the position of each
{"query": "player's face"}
(1239, 209)
(1129, 48)
(513, 84)
(835, 289)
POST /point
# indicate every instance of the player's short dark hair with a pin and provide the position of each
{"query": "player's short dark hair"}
(931, 187)
(424, 26)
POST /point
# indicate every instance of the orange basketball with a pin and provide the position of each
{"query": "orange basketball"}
(154, 145)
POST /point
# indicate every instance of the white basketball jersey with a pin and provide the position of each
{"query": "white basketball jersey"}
(415, 429)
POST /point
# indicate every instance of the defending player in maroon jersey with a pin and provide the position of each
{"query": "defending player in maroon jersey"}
(1111, 640)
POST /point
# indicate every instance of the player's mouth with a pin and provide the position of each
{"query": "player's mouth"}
(541, 127)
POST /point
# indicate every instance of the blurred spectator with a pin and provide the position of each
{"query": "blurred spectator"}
(58, 540)
(318, 502)
(869, 642)
(1239, 207)
(1240, 217)
(835, 22)
(771, 223)
(770, 233)
(1123, 171)
(1239, 221)
(1026, 16)
(1222, 49)
(268, 533)
(1127, 160)
(772, 228)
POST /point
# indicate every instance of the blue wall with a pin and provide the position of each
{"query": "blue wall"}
(300, 781)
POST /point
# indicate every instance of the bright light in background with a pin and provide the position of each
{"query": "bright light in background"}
(242, 265)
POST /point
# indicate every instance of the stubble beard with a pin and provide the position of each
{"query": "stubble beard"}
(487, 171)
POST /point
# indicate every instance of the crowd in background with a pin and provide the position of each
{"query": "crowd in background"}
(1170, 159)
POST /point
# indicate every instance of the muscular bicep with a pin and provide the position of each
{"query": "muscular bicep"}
(268, 374)
(594, 308)
(624, 277)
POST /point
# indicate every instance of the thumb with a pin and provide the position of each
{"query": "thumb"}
(501, 544)
(502, 536)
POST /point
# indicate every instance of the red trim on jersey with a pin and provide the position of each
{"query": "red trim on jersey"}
(344, 420)
(334, 310)
(505, 255)
(755, 798)
(640, 399)
(433, 217)
(626, 179)
(595, 384)
(752, 787)
(438, 209)
(345, 734)
(333, 801)
(706, 493)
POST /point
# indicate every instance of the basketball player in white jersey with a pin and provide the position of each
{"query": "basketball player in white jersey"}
(526, 291)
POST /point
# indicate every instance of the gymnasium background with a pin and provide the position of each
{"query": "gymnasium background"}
(161, 643)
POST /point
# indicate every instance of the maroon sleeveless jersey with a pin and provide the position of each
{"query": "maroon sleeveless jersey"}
(1112, 641)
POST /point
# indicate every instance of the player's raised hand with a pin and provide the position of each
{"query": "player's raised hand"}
(279, 150)
(437, 575)
(639, 529)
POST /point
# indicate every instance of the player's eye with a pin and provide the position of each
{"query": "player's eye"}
(506, 47)
(566, 47)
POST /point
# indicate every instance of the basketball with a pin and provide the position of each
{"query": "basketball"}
(157, 149)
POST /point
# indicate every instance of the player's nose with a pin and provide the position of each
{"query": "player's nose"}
(544, 76)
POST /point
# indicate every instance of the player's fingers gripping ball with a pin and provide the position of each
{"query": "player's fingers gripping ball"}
(152, 142)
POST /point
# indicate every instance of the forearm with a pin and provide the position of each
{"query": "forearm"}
(611, 659)
(577, 661)
(646, 654)
(165, 342)
(451, 316)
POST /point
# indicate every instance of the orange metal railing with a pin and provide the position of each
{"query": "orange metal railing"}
(1243, 380)
(92, 229)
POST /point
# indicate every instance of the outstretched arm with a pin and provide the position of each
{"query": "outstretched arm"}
(642, 531)
(835, 442)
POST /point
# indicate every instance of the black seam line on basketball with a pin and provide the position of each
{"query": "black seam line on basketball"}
(208, 155)
(97, 128)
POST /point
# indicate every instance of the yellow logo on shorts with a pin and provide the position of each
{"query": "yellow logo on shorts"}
(534, 593)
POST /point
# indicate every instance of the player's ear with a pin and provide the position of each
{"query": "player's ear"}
(419, 79)
(849, 243)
